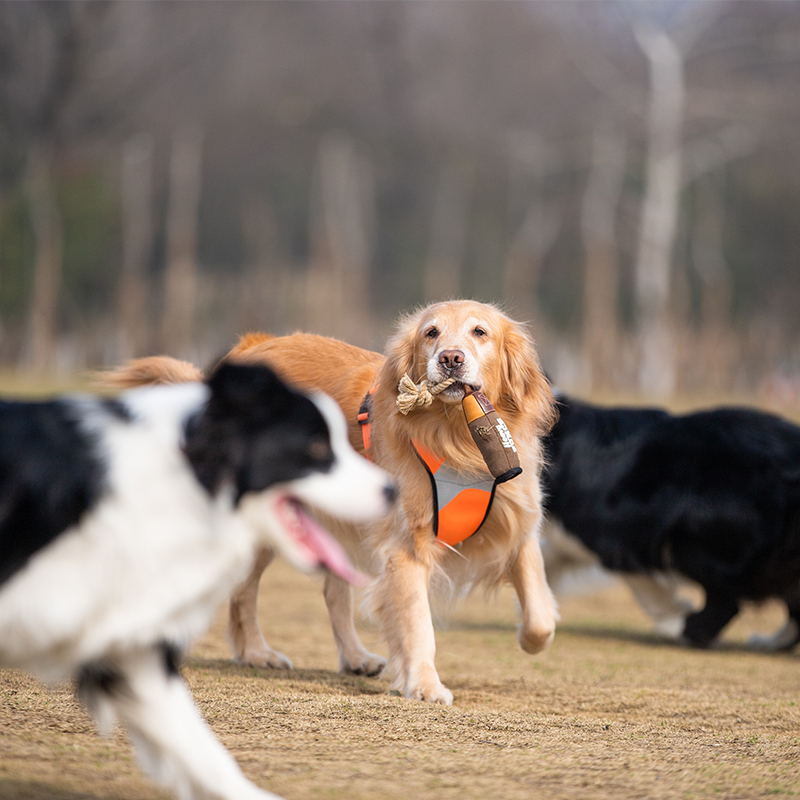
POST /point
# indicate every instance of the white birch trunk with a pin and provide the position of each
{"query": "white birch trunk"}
(657, 357)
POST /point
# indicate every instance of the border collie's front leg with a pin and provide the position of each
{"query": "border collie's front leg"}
(244, 634)
(657, 594)
(702, 627)
(786, 637)
(173, 742)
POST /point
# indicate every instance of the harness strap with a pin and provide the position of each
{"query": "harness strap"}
(365, 420)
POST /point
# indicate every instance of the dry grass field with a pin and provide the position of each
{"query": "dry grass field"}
(607, 712)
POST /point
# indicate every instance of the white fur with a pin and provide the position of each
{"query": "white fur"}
(457, 339)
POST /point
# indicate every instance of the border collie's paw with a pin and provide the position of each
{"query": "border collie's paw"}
(670, 628)
(782, 640)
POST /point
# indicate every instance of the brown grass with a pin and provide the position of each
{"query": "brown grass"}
(607, 712)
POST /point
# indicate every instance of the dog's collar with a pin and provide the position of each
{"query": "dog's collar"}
(461, 501)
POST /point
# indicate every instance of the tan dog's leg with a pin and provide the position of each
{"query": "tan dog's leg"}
(405, 614)
(539, 612)
(248, 643)
(353, 656)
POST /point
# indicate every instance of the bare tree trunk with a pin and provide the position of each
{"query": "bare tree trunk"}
(442, 278)
(716, 346)
(523, 267)
(337, 289)
(657, 369)
(137, 242)
(180, 284)
(39, 353)
(601, 273)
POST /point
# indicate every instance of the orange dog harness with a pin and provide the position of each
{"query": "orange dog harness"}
(461, 501)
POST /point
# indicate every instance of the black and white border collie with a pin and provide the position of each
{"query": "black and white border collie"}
(712, 496)
(125, 523)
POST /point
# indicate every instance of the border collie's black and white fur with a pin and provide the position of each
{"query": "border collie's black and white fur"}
(712, 496)
(125, 523)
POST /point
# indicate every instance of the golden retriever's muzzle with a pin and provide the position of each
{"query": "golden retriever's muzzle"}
(451, 360)
(452, 364)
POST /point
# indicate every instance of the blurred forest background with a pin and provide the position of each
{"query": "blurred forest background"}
(623, 175)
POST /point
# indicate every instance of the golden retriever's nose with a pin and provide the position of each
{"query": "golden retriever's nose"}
(450, 359)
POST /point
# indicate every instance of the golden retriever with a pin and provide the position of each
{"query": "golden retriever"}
(479, 346)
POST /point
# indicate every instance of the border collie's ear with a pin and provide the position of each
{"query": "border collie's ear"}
(238, 385)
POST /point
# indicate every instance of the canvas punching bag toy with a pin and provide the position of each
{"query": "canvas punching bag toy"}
(492, 437)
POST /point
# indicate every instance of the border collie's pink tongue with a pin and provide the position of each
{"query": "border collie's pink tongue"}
(313, 538)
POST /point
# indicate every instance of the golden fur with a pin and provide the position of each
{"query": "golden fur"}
(401, 550)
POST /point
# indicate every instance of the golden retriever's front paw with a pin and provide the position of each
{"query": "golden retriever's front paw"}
(364, 664)
(431, 693)
(535, 640)
(264, 658)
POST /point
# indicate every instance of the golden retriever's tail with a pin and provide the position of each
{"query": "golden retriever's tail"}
(248, 340)
(150, 371)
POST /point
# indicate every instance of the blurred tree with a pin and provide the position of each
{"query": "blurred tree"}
(599, 210)
(137, 209)
(180, 275)
(39, 68)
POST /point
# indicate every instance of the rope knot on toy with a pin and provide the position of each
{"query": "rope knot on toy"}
(410, 394)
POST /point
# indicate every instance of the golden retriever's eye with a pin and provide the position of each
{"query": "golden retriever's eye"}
(432, 332)
(478, 331)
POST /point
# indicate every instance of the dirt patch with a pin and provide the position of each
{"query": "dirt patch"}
(607, 712)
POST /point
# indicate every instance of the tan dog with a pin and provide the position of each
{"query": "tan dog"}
(478, 346)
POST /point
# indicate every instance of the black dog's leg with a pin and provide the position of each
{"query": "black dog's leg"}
(703, 627)
(791, 631)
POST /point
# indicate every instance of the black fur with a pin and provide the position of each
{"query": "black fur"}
(50, 476)
(713, 495)
(99, 678)
(255, 431)
(171, 654)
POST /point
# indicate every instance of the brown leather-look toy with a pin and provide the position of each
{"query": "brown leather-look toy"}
(491, 436)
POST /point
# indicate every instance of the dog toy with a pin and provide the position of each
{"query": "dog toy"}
(488, 430)
(410, 394)
(492, 436)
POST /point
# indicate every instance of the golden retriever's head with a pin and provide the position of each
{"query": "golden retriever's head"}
(479, 346)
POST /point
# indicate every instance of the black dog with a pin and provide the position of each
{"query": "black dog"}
(713, 496)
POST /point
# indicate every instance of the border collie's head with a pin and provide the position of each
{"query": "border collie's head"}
(281, 449)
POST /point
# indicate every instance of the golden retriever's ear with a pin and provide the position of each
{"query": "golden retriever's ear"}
(401, 351)
(523, 385)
